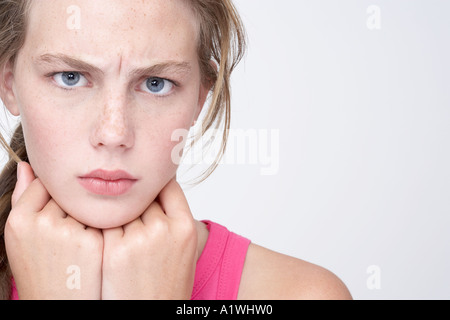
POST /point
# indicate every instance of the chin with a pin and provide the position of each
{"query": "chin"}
(103, 212)
(99, 223)
(104, 216)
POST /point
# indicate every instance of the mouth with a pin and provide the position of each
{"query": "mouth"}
(107, 183)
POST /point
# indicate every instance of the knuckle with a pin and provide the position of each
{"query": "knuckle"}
(186, 232)
(94, 237)
(115, 256)
(187, 227)
(159, 225)
(139, 240)
(15, 224)
(92, 241)
(44, 222)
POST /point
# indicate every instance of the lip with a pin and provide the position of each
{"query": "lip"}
(107, 183)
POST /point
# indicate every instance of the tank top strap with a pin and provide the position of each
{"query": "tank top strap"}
(220, 265)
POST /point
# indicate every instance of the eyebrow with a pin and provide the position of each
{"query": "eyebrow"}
(79, 65)
(76, 64)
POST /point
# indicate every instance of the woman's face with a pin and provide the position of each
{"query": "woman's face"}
(102, 85)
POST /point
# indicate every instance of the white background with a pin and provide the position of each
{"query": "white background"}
(364, 148)
(364, 124)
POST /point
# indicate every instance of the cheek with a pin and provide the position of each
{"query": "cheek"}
(170, 141)
(37, 120)
(45, 139)
(169, 130)
(39, 136)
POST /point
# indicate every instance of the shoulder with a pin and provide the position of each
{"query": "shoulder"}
(271, 275)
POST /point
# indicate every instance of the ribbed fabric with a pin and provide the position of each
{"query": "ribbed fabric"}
(220, 265)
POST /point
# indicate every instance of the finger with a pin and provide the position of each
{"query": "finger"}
(53, 209)
(74, 222)
(132, 226)
(34, 198)
(112, 235)
(152, 212)
(25, 176)
(173, 201)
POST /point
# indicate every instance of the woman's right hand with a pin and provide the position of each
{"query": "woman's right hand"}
(51, 255)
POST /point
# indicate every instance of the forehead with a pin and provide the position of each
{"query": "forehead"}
(135, 31)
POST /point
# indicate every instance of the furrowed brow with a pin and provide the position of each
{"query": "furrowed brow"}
(72, 63)
(79, 65)
(169, 67)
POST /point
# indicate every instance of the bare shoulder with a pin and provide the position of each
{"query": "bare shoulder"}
(271, 275)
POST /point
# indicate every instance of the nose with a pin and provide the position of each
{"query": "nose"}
(113, 128)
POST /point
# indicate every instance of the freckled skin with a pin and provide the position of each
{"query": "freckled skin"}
(110, 124)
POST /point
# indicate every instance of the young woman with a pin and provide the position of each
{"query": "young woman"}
(100, 86)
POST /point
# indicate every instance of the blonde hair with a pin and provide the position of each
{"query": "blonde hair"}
(222, 40)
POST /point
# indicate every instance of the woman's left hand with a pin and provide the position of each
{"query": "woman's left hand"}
(154, 256)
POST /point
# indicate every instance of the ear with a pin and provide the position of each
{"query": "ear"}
(6, 88)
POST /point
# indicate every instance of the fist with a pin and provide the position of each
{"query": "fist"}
(154, 256)
(44, 245)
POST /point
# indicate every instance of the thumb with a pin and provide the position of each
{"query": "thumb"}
(173, 201)
(25, 176)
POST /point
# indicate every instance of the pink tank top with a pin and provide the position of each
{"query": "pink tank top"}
(219, 268)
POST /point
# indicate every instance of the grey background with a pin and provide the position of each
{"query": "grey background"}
(364, 123)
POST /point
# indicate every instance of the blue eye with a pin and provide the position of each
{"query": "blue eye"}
(70, 79)
(157, 86)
